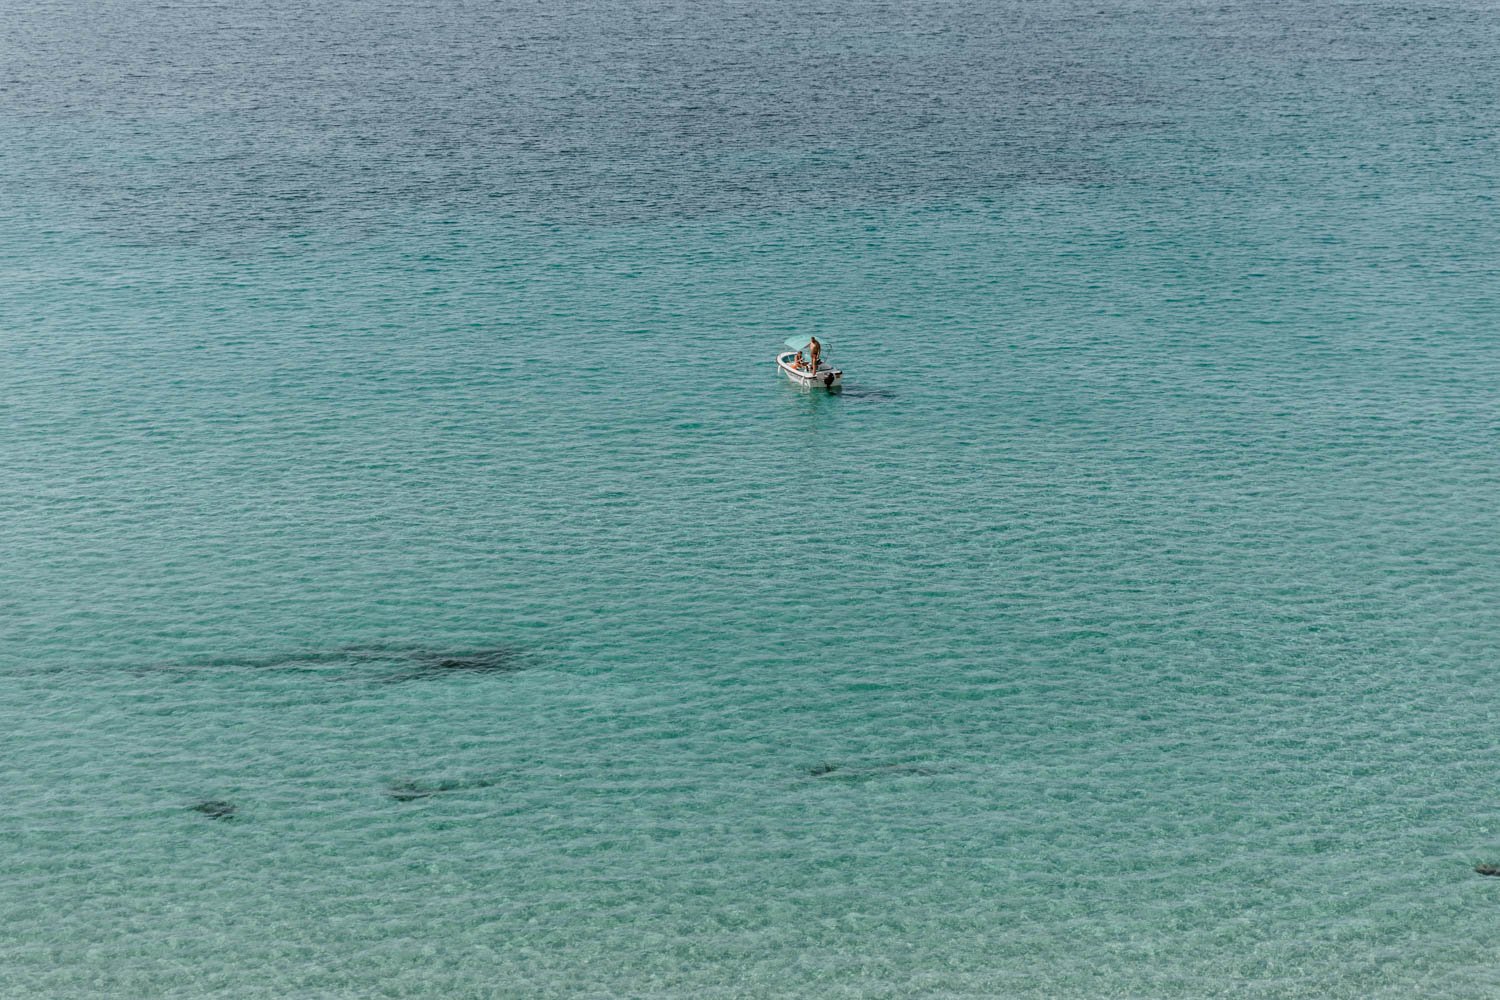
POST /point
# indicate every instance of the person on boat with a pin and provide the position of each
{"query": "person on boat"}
(816, 350)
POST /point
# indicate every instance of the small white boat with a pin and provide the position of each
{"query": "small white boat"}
(812, 371)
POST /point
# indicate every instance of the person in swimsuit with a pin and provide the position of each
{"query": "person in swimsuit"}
(816, 350)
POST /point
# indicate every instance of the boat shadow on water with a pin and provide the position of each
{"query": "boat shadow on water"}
(866, 394)
(847, 392)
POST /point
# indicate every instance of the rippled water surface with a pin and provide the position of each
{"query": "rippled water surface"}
(416, 582)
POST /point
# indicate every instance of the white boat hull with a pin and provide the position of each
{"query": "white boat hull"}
(826, 376)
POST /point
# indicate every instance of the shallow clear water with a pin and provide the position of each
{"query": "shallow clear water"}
(390, 453)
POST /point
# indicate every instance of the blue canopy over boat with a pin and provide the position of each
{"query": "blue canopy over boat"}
(800, 342)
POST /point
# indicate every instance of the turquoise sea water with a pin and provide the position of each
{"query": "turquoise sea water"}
(390, 453)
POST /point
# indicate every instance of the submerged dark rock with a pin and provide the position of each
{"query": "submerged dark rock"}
(380, 663)
(215, 809)
(287, 662)
(1487, 869)
(923, 769)
(430, 664)
(502, 660)
(410, 791)
(843, 773)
